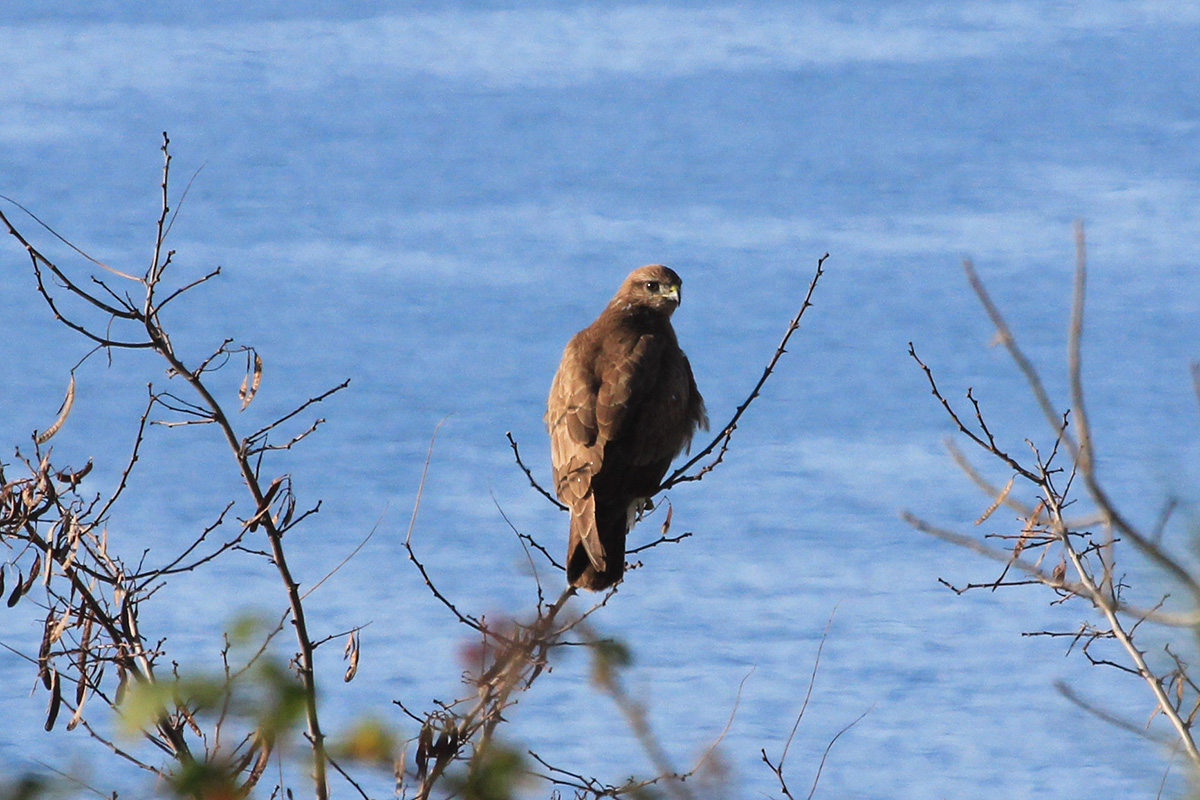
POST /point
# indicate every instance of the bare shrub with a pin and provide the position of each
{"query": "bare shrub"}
(215, 735)
(1070, 536)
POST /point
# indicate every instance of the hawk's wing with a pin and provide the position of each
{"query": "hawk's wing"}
(597, 384)
(571, 409)
(626, 378)
(574, 451)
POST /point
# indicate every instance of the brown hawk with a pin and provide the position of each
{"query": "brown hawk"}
(622, 405)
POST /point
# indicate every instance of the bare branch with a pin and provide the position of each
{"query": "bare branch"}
(186, 287)
(1083, 457)
(723, 438)
(1005, 336)
(412, 556)
(253, 438)
(812, 680)
(56, 235)
(828, 747)
(989, 444)
(532, 482)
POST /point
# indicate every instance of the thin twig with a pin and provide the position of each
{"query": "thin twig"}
(254, 437)
(812, 680)
(1004, 334)
(343, 562)
(828, 747)
(532, 481)
(990, 446)
(412, 556)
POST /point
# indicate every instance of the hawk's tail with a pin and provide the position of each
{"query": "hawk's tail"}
(608, 526)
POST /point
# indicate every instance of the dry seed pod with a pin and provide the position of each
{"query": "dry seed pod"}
(81, 697)
(57, 631)
(424, 745)
(290, 509)
(264, 507)
(55, 700)
(81, 687)
(81, 666)
(351, 653)
(69, 401)
(250, 384)
(16, 592)
(76, 717)
(44, 653)
(33, 573)
(75, 477)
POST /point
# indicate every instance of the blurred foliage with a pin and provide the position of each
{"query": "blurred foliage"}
(267, 695)
(369, 741)
(496, 772)
(247, 712)
(608, 657)
(25, 787)
(206, 779)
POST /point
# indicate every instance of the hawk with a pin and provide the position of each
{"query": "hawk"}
(622, 405)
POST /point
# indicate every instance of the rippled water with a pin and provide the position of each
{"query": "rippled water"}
(430, 202)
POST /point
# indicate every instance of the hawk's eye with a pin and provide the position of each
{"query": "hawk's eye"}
(652, 287)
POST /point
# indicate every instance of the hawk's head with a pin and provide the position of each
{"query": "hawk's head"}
(653, 286)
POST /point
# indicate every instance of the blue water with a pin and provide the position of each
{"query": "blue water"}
(429, 202)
